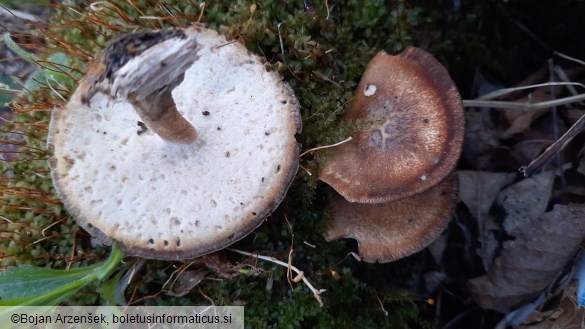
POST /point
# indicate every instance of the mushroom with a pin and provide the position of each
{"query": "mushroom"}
(415, 125)
(176, 143)
(389, 231)
(396, 174)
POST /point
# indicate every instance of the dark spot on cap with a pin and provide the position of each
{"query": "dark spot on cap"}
(129, 46)
(205, 113)
(267, 133)
(227, 154)
(278, 168)
(150, 241)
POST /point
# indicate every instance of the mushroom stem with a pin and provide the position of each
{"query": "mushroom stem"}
(159, 112)
(144, 68)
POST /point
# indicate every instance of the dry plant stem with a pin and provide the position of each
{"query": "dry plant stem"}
(316, 292)
(569, 57)
(523, 106)
(555, 148)
(326, 146)
(322, 147)
(292, 243)
(505, 91)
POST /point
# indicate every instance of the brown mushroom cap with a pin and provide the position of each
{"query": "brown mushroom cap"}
(166, 200)
(414, 133)
(389, 231)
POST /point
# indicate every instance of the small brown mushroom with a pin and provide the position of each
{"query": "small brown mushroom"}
(396, 229)
(162, 193)
(414, 133)
(396, 174)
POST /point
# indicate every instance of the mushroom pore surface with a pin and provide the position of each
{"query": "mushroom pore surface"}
(163, 200)
(413, 118)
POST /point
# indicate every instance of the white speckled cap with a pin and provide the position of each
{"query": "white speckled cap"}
(166, 200)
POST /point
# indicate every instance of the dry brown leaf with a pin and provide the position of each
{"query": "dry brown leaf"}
(525, 201)
(532, 260)
(478, 190)
(187, 281)
(520, 121)
(480, 135)
(566, 316)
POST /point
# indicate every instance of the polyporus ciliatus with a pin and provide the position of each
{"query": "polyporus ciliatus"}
(396, 175)
(177, 143)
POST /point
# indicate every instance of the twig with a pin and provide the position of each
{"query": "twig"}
(202, 6)
(382, 305)
(289, 277)
(505, 91)
(326, 146)
(316, 292)
(6, 219)
(569, 57)
(280, 39)
(536, 164)
(524, 106)
(322, 147)
(553, 95)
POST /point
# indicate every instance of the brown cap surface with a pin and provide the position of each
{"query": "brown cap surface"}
(175, 201)
(389, 231)
(413, 133)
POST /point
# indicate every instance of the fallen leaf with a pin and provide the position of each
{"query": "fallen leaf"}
(530, 262)
(525, 201)
(565, 316)
(478, 190)
(187, 281)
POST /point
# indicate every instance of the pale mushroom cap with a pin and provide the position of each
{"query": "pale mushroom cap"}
(176, 201)
(399, 228)
(414, 130)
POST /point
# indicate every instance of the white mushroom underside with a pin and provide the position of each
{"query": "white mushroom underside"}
(151, 194)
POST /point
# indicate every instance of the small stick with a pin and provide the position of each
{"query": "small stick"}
(315, 292)
(202, 6)
(524, 106)
(569, 57)
(289, 276)
(505, 91)
(382, 305)
(326, 146)
(280, 39)
(555, 148)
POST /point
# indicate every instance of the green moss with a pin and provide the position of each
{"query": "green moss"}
(321, 53)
